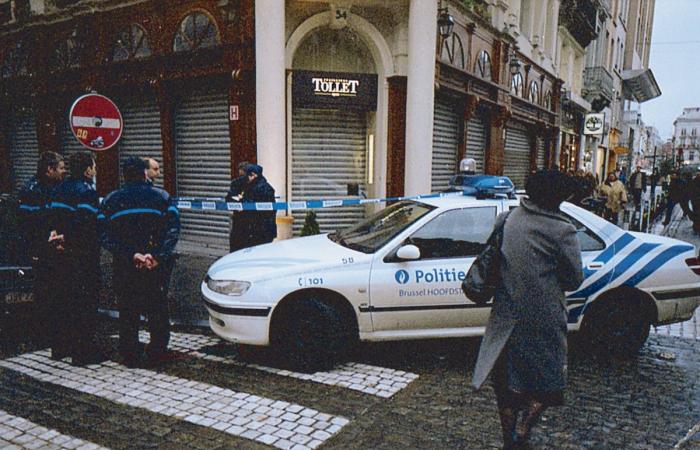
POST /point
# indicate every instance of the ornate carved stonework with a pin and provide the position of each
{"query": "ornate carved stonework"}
(500, 116)
(472, 101)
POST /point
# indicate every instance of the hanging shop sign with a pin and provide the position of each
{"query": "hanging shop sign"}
(593, 124)
(334, 90)
(96, 122)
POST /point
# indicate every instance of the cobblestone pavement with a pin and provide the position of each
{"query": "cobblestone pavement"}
(213, 398)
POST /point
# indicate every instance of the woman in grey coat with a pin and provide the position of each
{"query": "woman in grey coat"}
(525, 340)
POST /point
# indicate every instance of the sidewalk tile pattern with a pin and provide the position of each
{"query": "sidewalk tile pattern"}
(373, 380)
(280, 424)
(19, 433)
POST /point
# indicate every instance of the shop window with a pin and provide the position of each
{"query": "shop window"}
(548, 100)
(132, 43)
(15, 62)
(454, 49)
(516, 85)
(67, 54)
(483, 65)
(534, 94)
(196, 31)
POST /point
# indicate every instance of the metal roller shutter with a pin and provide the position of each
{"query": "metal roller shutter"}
(328, 153)
(141, 135)
(516, 156)
(69, 143)
(446, 129)
(540, 153)
(203, 161)
(477, 141)
(24, 149)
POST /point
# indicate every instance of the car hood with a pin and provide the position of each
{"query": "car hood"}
(282, 258)
(656, 239)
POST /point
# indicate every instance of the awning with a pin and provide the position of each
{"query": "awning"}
(640, 85)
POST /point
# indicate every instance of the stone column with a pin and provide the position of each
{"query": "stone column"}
(552, 25)
(270, 93)
(420, 95)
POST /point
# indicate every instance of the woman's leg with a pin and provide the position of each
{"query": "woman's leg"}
(506, 404)
(529, 420)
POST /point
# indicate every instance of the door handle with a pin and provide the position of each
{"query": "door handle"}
(594, 266)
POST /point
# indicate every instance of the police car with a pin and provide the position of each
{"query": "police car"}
(397, 274)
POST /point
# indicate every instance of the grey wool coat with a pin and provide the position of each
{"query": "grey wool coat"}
(541, 258)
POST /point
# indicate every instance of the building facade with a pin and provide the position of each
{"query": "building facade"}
(686, 137)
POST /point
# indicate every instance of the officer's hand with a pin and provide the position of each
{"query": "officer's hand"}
(151, 262)
(57, 240)
(139, 260)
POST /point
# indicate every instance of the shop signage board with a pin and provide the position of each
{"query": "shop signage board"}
(593, 124)
(96, 122)
(334, 90)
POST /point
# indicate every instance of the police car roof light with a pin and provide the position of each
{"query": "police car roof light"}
(483, 186)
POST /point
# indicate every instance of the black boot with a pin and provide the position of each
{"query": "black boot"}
(508, 419)
(530, 417)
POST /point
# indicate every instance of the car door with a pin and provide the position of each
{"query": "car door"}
(425, 293)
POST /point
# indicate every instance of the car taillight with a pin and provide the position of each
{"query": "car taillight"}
(693, 264)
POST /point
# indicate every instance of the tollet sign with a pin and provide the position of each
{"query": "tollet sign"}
(96, 122)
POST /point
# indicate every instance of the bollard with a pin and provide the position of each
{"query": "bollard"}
(284, 227)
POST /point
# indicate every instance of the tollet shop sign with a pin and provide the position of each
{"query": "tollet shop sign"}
(332, 90)
(593, 124)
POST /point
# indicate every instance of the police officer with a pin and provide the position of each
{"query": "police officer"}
(34, 234)
(261, 225)
(72, 217)
(140, 228)
(237, 237)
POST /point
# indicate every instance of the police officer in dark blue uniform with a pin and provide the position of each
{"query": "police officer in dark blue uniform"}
(140, 227)
(72, 217)
(34, 234)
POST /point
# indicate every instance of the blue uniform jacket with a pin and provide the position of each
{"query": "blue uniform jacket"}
(33, 200)
(72, 212)
(139, 218)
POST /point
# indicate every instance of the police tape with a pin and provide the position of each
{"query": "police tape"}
(206, 204)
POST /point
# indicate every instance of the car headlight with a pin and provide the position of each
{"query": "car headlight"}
(228, 287)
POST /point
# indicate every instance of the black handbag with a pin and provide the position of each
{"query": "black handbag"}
(479, 285)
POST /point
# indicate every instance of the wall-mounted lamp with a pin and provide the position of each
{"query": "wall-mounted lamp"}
(514, 63)
(445, 23)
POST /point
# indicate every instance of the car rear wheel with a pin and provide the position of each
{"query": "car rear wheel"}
(312, 335)
(617, 326)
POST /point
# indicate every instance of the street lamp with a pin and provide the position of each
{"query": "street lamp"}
(445, 23)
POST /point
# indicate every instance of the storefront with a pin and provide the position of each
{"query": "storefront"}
(24, 147)
(141, 135)
(448, 126)
(517, 154)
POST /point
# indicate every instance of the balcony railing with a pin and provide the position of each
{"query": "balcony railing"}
(597, 87)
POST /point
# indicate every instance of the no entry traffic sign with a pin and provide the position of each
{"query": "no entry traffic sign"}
(96, 122)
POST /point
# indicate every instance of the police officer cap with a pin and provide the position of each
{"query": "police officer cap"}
(254, 168)
(133, 164)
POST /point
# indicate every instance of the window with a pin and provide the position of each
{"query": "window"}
(588, 240)
(516, 85)
(548, 100)
(691, 156)
(455, 234)
(15, 62)
(534, 93)
(132, 43)
(196, 31)
(483, 65)
(67, 53)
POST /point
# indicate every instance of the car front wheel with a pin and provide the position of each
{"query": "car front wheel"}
(311, 335)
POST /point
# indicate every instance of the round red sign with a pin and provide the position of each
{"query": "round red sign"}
(96, 122)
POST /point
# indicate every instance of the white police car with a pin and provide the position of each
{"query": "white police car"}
(397, 276)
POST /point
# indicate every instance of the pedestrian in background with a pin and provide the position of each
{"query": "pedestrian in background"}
(260, 226)
(236, 237)
(72, 218)
(616, 197)
(34, 232)
(152, 170)
(141, 228)
(693, 192)
(676, 195)
(525, 340)
(638, 184)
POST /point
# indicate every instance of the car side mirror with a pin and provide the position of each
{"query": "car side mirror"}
(409, 252)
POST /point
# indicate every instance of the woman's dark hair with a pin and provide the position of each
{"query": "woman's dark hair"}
(548, 188)
(79, 162)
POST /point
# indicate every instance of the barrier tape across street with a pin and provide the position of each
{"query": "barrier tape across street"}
(217, 204)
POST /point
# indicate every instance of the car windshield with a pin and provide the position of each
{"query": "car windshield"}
(372, 233)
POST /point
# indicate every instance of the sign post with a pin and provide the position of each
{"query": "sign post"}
(96, 122)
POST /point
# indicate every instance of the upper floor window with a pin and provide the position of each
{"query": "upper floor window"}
(196, 31)
(548, 100)
(67, 53)
(694, 132)
(15, 62)
(132, 43)
(516, 85)
(483, 65)
(534, 94)
(682, 131)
